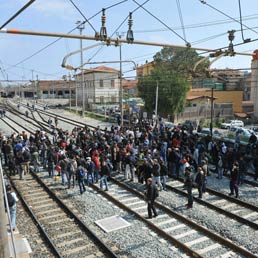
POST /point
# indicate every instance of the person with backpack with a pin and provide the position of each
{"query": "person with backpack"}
(12, 200)
(71, 169)
(151, 193)
(90, 166)
(26, 160)
(80, 174)
(104, 174)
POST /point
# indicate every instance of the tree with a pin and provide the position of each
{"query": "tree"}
(173, 67)
(172, 91)
(180, 60)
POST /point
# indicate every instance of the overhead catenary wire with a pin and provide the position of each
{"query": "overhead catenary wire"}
(241, 23)
(53, 42)
(181, 18)
(85, 19)
(187, 43)
(200, 25)
(17, 13)
(214, 8)
(116, 30)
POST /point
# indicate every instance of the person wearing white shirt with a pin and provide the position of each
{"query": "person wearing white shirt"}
(12, 206)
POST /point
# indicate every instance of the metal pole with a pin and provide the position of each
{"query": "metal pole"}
(76, 97)
(211, 124)
(70, 93)
(4, 246)
(121, 84)
(156, 104)
(81, 27)
(53, 90)
(135, 42)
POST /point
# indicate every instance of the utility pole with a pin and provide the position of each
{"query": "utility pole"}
(156, 103)
(211, 124)
(70, 93)
(81, 27)
(121, 83)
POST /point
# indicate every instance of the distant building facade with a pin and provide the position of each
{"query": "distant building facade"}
(101, 85)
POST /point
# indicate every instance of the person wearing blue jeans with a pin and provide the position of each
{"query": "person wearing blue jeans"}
(12, 207)
(80, 173)
(104, 174)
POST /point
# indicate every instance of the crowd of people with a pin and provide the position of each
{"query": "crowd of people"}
(142, 152)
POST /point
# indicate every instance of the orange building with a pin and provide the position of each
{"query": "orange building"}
(234, 97)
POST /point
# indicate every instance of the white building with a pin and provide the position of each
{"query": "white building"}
(101, 87)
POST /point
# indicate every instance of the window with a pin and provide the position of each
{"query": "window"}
(101, 83)
(112, 84)
(113, 98)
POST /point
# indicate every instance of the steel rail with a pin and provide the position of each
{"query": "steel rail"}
(13, 128)
(189, 222)
(37, 223)
(109, 40)
(218, 209)
(38, 123)
(162, 233)
(101, 244)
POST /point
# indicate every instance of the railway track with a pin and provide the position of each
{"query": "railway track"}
(174, 227)
(63, 230)
(30, 120)
(182, 233)
(237, 209)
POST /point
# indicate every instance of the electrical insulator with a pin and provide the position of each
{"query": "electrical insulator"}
(103, 29)
(231, 35)
(129, 36)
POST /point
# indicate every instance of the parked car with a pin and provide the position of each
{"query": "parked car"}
(169, 125)
(207, 131)
(187, 125)
(244, 131)
(232, 123)
(254, 128)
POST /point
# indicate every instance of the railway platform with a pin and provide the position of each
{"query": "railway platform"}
(20, 246)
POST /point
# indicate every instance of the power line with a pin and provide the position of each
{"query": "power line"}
(17, 13)
(53, 42)
(212, 7)
(200, 25)
(187, 43)
(86, 20)
(116, 30)
(181, 17)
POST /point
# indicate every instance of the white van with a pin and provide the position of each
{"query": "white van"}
(232, 123)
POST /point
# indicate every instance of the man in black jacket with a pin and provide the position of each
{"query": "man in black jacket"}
(151, 194)
(233, 181)
(188, 185)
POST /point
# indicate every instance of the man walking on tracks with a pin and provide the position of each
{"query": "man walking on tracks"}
(151, 194)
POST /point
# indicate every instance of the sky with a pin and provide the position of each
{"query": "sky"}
(27, 57)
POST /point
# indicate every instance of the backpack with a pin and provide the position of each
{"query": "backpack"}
(10, 200)
(81, 173)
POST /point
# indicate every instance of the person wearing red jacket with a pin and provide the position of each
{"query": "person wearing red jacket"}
(96, 160)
